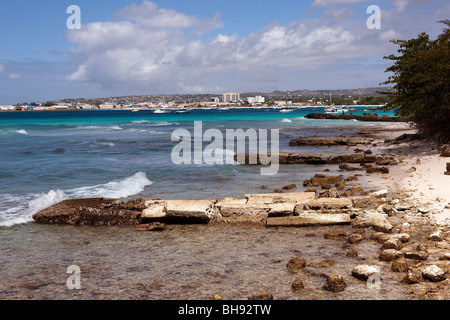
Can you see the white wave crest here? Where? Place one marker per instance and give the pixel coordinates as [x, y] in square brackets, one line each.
[26, 206]
[286, 120]
[22, 131]
[124, 188]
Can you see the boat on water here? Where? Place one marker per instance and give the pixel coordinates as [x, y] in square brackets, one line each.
[286, 110]
[182, 111]
[161, 111]
[222, 109]
[135, 110]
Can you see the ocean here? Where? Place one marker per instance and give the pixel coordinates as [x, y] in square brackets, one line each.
[46, 157]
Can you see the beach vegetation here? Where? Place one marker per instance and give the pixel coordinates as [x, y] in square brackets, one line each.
[420, 83]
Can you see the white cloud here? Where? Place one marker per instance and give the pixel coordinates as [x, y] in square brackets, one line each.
[389, 35]
[327, 3]
[140, 54]
[15, 76]
[338, 14]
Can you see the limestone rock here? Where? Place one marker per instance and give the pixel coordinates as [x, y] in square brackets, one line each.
[364, 272]
[355, 238]
[445, 150]
[323, 264]
[412, 277]
[416, 255]
[435, 236]
[434, 273]
[309, 219]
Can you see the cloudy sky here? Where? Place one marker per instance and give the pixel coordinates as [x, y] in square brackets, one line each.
[127, 47]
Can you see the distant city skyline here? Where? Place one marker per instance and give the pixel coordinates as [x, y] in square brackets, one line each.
[127, 47]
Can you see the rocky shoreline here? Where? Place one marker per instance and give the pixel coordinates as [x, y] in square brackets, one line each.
[409, 238]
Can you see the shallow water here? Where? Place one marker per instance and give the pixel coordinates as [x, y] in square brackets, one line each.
[182, 262]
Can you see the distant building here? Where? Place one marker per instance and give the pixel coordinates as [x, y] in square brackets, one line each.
[106, 107]
[231, 96]
[257, 99]
[214, 99]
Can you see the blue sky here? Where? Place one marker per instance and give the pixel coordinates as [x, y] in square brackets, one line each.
[199, 46]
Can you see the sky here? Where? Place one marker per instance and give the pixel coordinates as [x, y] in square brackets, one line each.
[137, 47]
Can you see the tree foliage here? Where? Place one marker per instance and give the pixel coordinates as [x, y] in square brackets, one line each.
[421, 79]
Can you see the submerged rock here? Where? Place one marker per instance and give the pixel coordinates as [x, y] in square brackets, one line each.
[364, 272]
[335, 283]
[296, 263]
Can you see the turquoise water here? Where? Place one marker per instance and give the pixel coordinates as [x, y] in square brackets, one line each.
[46, 157]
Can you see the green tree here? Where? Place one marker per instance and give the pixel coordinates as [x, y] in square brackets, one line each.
[421, 79]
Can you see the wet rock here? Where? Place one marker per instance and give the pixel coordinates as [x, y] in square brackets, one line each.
[352, 191]
[329, 141]
[364, 272]
[290, 187]
[416, 255]
[278, 190]
[383, 170]
[389, 210]
[262, 296]
[296, 264]
[371, 218]
[89, 212]
[351, 253]
[355, 238]
[335, 236]
[390, 255]
[323, 264]
[335, 283]
[320, 180]
[421, 247]
[434, 273]
[297, 285]
[155, 226]
[380, 193]
[364, 202]
[399, 265]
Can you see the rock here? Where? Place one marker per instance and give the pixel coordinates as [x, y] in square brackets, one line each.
[191, 211]
[335, 283]
[155, 226]
[216, 297]
[380, 193]
[399, 265]
[364, 272]
[416, 255]
[445, 256]
[331, 193]
[323, 264]
[352, 253]
[296, 264]
[290, 187]
[297, 285]
[352, 191]
[421, 247]
[411, 170]
[364, 202]
[321, 180]
[263, 296]
[371, 218]
[278, 190]
[383, 170]
[390, 255]
[340, 185]
[355, 238]
[434, 273]
[435, 236]
[335, 236]
[239, 221]
[352, 178]
[154, 210]
[270, 198]
[329, 141]
[445, 150]
[326, 204]
[282, 209]
[311, 219]
[389, 210]
[90, 212]
[392, 243]
[412, 277]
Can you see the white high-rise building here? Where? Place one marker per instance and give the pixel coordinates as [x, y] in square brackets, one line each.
[257, 99]
[231, 96]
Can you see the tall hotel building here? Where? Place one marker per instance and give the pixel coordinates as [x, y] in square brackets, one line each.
[227, 97]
